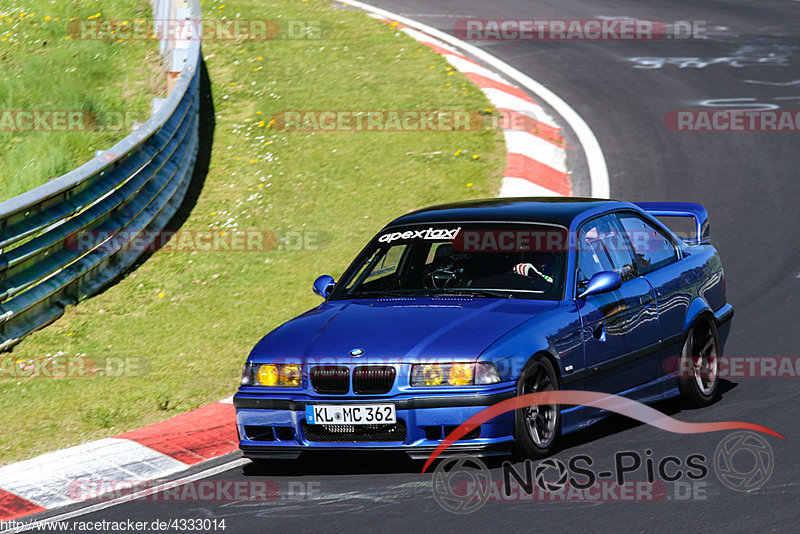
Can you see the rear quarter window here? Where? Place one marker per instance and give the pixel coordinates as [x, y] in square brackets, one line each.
[652, 248]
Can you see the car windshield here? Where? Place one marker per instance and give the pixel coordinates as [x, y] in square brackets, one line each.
[520, 260]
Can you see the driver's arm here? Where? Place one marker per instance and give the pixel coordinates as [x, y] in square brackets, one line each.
[529, 269]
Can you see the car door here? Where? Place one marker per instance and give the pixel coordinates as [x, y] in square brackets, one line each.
[658, 262]
[620, 327]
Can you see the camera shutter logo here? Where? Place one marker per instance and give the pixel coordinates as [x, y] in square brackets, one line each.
[734, 450]
[463, 471]
[551, 485]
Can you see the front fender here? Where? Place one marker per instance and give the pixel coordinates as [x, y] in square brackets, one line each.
[556, 332]
[695, 309]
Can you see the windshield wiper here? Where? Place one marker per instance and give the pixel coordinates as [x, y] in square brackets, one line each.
[380, 295]
[497, 293]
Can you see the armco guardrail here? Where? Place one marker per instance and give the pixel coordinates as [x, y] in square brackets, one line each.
[135, 186]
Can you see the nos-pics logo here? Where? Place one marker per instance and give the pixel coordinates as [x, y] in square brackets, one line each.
[461, 484]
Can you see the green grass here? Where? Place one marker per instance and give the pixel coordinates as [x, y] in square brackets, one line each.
[195, 316]
[45, 68]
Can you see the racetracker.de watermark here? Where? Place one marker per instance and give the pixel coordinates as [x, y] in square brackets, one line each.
[407, 120]
[60, 365]
[262, 490]
[44, 120]
[66, 120]
[197, 241]
[198, 29]
[551, 240]
[600, 29]
[738, 367]
[733, 121]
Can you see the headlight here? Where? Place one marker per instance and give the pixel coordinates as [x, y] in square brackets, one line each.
[461, 374]
[454, 374]
[289, 375]
[286, 375]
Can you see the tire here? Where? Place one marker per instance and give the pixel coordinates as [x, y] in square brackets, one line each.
[537, 428]
[698, 369]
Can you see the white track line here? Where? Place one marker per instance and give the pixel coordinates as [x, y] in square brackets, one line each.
[598, 171]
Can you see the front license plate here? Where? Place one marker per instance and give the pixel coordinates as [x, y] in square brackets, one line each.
[353, 414]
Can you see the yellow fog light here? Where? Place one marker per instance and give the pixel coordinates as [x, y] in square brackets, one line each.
[432, 375]
[267, 375]
[290, 375]
[461, 374]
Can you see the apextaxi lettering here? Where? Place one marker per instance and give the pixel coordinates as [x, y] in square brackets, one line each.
[427, 233]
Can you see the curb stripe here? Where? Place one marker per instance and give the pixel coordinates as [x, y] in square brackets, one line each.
[150, 490]
[487, 83]
[501, 99]
[13, 506]
[598, 170]
[535, 155]
[151, 452]
[521, 166]
[193, 437]
[46, 479]
[536, 148]
[540, 129]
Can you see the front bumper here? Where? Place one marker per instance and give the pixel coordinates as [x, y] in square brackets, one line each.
[272, 426]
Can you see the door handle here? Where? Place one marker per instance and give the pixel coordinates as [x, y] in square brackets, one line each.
[599, 333]
[646, 299]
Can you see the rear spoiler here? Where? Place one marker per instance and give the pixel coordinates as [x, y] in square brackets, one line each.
[682, 209]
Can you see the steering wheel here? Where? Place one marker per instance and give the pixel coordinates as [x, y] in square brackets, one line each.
[442, 277]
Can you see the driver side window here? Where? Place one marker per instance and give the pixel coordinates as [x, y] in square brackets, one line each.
[602, 247]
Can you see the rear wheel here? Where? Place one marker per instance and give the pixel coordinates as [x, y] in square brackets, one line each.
[536, 428]
[698, 377]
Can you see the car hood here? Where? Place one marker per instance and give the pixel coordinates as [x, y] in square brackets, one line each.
[396, 330]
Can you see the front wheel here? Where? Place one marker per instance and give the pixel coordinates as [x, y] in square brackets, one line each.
[536, 428]
[698, 376]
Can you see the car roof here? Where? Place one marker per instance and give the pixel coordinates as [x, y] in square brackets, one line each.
[552, 210]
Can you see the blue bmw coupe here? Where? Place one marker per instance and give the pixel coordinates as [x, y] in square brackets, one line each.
[456, 307]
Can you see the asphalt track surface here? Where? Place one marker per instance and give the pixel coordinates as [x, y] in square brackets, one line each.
[748, 182]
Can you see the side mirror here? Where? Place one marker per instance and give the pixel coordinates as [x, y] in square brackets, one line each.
[602, 282]
[324, 285]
